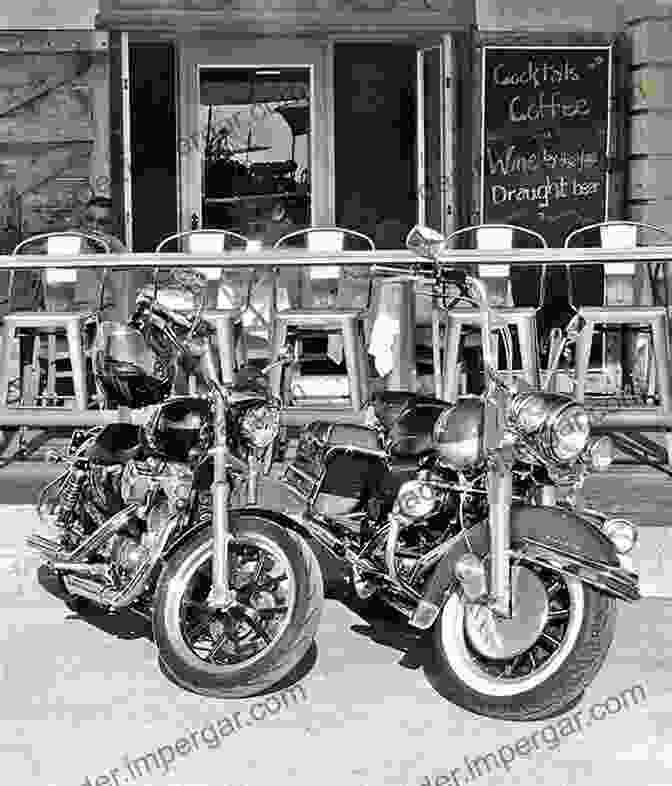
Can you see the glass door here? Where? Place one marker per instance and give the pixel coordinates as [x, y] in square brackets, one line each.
[254, 128]
[255, 133]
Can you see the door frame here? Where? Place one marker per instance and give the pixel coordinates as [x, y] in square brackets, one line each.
[448, 137]
[193, 52]
[193, 56]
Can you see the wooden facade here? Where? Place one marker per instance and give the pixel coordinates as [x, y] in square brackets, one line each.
[66, 107]
[54, 129]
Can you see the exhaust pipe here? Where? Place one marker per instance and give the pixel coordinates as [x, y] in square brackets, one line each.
[50, 549]
[85, 569]
[89, 589]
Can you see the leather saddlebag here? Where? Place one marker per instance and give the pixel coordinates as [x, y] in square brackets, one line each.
[347, 472]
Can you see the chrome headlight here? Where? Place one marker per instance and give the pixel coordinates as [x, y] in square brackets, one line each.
[556, 426]
[568, 433]
[416, 499]
[260, 425]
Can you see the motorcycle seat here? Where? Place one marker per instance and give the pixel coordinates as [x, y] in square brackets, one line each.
[408, 419]
[116, 444]
[390, 404]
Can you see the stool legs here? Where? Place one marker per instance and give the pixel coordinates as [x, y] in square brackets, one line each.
[353, 363]
[77, 363]
[279, 340]
[5, 358]
[363, 358]
[449, 382]
[241, 345]
[351, 328]
[446, 379]
[436, 351]
[583, 346]
[529, 351]
[661, 353]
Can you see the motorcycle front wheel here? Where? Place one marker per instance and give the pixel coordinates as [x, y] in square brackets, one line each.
[246, 649]
[532, 667]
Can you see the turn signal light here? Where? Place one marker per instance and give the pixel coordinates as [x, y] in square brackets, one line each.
[600, 453]
[622, 533]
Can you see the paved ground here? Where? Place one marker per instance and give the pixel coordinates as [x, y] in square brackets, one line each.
[78, 696]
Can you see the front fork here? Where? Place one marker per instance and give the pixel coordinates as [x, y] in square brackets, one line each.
[221, 596]
[500, 492]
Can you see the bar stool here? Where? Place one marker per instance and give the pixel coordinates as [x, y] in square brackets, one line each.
[331, 315]
[225, 317]
[446, 341]
[617, 306]
[51, 322]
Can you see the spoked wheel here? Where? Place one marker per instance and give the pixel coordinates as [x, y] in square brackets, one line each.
[242, 650]
[532, 666]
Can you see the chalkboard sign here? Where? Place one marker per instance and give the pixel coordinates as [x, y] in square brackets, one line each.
[546, 132]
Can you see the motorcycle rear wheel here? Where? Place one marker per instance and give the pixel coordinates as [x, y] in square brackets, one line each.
[538, 678]
[283, 608]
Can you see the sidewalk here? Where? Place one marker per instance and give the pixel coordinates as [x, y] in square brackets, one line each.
[367, 698]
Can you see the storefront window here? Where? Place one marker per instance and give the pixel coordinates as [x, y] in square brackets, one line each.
[255, 125]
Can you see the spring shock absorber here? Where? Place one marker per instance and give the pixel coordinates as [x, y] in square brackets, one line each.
[204, 510]
[69, 496]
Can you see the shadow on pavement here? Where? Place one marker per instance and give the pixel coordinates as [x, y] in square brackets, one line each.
[121, 624]
[127, 625]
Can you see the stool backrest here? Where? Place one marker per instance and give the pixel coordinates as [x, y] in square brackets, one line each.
[68, 243]
[500, 237]
[332, 238]
[205, 241]
[614, 234]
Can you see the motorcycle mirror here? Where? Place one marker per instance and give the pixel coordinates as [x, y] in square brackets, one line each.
[425, 242]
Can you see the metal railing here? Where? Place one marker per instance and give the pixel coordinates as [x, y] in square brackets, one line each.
[278, 258]
[299, 257]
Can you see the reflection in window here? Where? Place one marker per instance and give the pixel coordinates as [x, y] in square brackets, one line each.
[255, 127]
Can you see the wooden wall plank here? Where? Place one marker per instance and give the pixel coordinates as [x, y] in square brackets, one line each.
[54, 129]
[46, 74]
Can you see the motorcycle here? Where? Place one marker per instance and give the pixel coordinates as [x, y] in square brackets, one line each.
[144, 518]
[463, 516]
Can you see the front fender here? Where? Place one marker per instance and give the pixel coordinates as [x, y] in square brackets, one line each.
[553, 537]
[281, 519]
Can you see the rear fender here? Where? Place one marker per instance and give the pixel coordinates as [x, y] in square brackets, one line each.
[548, 536]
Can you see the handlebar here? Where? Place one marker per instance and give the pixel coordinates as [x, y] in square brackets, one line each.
[431, 246]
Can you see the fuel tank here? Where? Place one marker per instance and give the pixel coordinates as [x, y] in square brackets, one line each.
[458, 434]
[175, 427]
